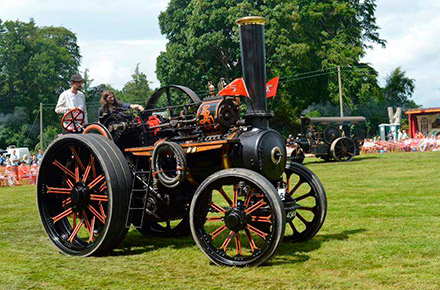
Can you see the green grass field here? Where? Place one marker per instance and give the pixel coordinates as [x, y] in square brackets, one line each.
[381, 232]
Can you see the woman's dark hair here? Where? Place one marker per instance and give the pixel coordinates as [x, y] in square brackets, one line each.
[104, 104]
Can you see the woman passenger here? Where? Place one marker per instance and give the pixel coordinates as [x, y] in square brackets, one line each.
[110, 104]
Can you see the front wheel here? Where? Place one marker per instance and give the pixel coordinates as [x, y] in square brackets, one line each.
[237, 218]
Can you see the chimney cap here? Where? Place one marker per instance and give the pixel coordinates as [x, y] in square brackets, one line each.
[251, 20]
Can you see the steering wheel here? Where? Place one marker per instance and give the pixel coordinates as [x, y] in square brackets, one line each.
[73, 120]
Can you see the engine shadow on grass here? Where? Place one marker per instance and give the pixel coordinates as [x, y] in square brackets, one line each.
[291, 253]
[135, 244]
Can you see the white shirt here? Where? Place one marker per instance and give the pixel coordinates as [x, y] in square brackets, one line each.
[68, 100]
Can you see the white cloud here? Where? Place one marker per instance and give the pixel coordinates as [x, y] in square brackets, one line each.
[410, 28]
[113, 62]
[113, 35]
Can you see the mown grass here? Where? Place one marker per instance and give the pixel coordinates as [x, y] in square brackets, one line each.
[382, 232]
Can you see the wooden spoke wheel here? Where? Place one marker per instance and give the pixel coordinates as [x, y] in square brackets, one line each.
[73, 120]
[306, 192]
[237, 218]
[343, 149]
[82, 193]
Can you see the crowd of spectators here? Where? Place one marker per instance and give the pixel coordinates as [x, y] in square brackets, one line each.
[14, 171]
[403, 143]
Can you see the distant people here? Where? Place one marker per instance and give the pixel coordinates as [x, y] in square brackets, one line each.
[110, 104]
[72, 98]
[39, 156]
[2, 160]
[34, 160]
[390, 136]
[399, 135]
[11, 176]
[24, 172]
[14, 161]
[419, 135]
[404, 135]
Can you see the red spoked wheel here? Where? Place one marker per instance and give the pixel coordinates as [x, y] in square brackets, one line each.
[306, 195]
[82, 193]
[237, 218]
[73, 120]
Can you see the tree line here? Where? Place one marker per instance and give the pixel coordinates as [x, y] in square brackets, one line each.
[305, 42]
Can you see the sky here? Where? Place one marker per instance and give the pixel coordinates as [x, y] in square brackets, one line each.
[115, 36]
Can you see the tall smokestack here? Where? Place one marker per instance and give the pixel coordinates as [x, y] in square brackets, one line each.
[253, 59]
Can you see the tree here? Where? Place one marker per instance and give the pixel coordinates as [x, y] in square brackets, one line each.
[399, 89]
[301, 36]
[137, 90]
[35, 66]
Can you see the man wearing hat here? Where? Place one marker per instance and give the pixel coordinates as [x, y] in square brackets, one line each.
[72, 98]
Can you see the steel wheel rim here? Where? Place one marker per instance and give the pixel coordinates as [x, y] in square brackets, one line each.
[344, 149]
[73, 197]
[301, 191]
[251, 238]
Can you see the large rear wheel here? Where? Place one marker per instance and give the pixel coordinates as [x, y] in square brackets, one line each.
[237, 218]
[82, 193]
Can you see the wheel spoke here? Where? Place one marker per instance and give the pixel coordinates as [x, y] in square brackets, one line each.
[69, 182]
[67, 201]
[251, 240]
[93, 167]
[255, 206]
[87, 171]
[96, 181]
[295, 231]
[262, 219]
[63, 168]
[215, 218]
[98, 197]
[75, 231]
[310, 193]
[78, 160]
[101, 209]
[103, 186]
[295, 188]
[62, 215]
[227, 241]
[258, 232]
[92, 230]
[235, 200]
[218, 231]
[58, 190]
[312, 209]
[77, 173]
[225, 196]
[217, 207]
[88, 226]
[96, 213]
[301, 218]
[248, 197]
[238, 243]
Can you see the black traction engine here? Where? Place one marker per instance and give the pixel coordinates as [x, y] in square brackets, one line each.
[192, 166]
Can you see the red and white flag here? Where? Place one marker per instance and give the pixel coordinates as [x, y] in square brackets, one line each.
[272, 87]
[236, 88]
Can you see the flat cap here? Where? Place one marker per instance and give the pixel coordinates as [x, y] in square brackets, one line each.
[76, 78]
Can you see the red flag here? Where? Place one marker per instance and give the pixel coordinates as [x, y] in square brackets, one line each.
[272, 87]
[236, 88]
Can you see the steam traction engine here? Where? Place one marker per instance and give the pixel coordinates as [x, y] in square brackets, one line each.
[195, 165]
